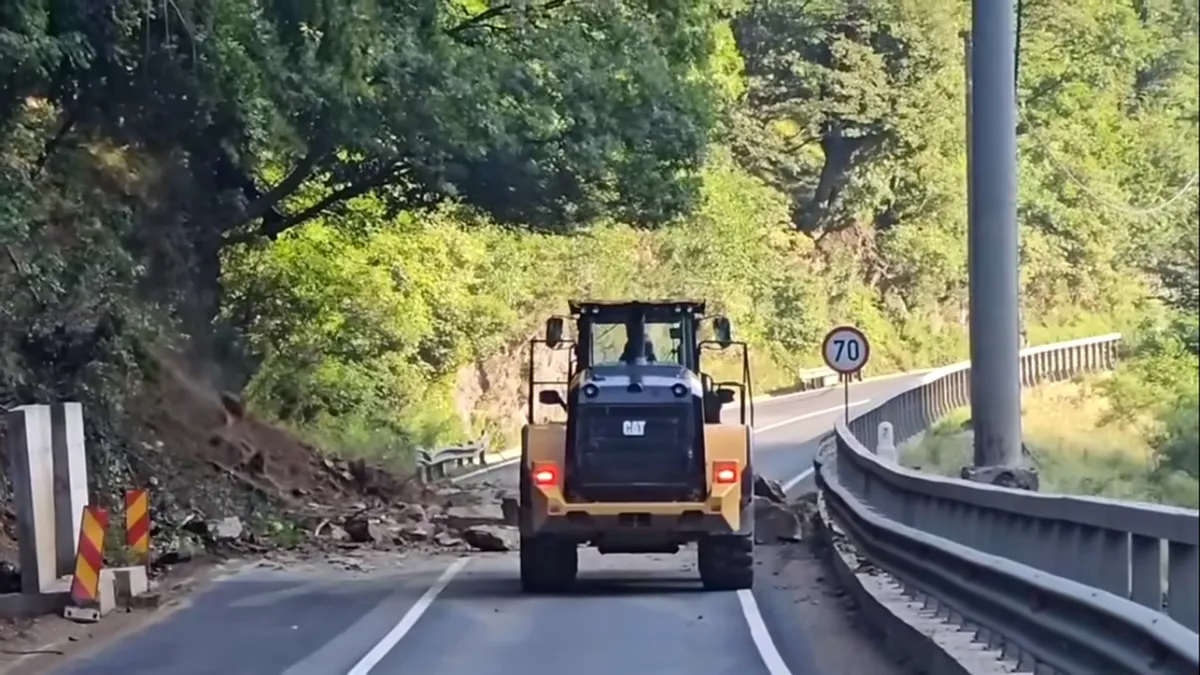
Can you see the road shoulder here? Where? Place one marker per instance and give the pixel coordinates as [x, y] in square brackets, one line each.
[35, 646]
[799, 596]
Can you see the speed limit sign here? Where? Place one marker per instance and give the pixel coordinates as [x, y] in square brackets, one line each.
[846, 350]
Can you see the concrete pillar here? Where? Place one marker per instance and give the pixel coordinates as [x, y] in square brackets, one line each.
[30, 460]
[70, 482]
[885, 444]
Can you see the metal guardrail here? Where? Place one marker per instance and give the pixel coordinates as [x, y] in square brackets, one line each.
[435, 464]
[820, 378]
[1067, 582]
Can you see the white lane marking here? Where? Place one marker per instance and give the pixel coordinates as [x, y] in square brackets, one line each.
[380, 650]
[762, 637]
[796, 480]
[805, 416]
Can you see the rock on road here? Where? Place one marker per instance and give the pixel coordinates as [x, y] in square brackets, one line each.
[466, 616]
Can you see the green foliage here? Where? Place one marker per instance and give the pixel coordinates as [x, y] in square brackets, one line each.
[547, 116]
[1159, 369]
[1178, 441]
[1157, 388]
[72, 324]
[374, 331]
[840, 100]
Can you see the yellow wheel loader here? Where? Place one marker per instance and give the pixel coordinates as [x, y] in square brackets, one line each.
[643, 462]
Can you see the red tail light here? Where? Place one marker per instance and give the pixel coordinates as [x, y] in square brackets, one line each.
[545, 475]
[725, 473]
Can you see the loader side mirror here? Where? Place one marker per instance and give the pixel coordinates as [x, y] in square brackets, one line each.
[723, 330]
[554, 332]
[551, 397]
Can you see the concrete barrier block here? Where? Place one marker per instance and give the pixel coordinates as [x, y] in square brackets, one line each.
[130, 582]
[106, 596]
[106, 601]
[70, 482]
[28, 446]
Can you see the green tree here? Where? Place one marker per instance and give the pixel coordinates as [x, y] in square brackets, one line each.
[838, 93]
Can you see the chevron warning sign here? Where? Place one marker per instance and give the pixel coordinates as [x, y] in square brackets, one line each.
[89, 558]
[137, 523]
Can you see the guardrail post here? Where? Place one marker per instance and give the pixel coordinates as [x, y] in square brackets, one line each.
[1113, 568]
[423, 467]
[1183, 570]
[1145, 573]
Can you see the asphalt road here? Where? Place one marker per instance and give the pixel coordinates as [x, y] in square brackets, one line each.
[466, 616]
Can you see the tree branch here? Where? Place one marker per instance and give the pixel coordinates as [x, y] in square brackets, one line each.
[271, 230]
[266, 202]
[480, 19]
[473, 21]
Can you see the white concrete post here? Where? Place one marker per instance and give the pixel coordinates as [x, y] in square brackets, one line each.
[70, 482]
[30, 460]
[885, 446]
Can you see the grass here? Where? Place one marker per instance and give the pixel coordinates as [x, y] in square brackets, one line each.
[1075, 452]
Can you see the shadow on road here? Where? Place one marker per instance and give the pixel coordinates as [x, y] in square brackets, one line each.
[500, 585]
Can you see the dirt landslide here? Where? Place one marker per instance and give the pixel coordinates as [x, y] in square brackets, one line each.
[224, 484]
[233, 482]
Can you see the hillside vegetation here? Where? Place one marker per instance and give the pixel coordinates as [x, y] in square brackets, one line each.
[355, 213]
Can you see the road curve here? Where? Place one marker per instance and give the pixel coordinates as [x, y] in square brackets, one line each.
[465, 616]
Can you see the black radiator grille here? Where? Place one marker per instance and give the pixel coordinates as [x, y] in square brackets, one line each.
[636, 444]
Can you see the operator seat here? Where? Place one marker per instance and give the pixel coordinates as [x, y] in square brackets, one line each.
[627, 353]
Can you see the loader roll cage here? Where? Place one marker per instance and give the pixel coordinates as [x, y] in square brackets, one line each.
[684, 319]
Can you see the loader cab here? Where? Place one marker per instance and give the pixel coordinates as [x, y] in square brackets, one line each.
[636, 334]
[645, 334]
[637, 400]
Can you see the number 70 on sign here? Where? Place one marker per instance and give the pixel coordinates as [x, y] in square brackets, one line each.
[846, 349]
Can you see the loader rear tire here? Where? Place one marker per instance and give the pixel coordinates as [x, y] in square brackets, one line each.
[726, 562]
[548, 564]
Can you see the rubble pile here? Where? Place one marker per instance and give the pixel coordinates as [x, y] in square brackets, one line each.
[775, 520]
[445, 517]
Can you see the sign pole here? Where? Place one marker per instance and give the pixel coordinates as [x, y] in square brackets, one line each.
[846, 397]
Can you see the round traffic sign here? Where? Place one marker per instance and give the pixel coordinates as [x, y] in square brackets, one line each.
[846, 349]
